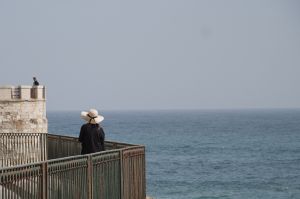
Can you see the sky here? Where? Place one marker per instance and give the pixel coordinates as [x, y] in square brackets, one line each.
[158, 54]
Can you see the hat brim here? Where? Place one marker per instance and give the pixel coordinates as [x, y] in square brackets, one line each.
[98, 119]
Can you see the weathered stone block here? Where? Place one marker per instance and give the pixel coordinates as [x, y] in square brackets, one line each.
[5, 92]
[25, 92]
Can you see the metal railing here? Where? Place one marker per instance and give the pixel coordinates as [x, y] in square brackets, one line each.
[22, 148]
[117, 173]
[64, 146]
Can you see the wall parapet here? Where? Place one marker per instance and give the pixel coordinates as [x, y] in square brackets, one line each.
[22, 92]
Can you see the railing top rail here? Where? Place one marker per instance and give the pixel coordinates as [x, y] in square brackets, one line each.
[21, 166]
[16, 134]
[82, 156]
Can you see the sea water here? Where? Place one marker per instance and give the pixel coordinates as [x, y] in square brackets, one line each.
[217, 154]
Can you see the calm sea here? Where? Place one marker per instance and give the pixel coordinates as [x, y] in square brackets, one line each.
[232, 154]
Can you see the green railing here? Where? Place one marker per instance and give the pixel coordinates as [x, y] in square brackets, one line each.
[117, 173]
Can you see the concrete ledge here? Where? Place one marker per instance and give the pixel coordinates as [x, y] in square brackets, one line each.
[22, 92]
[6, 86]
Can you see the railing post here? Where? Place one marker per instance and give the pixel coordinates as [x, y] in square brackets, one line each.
[121, 175]
[144, 170]
[59, 148]
[44, 180]
[90, 177]
[44, 147]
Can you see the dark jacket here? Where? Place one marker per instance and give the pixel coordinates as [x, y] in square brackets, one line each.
[92, 138]
[36, 83]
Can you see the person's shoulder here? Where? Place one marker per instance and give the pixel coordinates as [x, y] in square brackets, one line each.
[84, 125]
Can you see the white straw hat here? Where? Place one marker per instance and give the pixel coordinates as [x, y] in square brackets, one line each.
[92, 116]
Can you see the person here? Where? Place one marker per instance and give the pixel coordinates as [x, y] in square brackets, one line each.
[91, 134]
[35, 82]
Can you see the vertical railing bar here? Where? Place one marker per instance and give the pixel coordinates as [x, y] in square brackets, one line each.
[90, 177]
[31, 146]
[76, 179]
[8, 146]
[46, 146]
[60, 143]
[41, 140]
[44, 168]
[121, 175]
[144, 173]
[30, 182]
[51, 178]
[36, 146]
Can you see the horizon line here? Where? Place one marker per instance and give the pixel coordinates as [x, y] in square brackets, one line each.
[182, 109]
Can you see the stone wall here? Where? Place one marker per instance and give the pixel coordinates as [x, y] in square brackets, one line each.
[22, 110]
[23, 116]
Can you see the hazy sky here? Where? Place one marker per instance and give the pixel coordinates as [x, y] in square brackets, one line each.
[158, 54]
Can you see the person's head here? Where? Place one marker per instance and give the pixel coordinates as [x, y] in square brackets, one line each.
[92, 116]
[34, 78]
